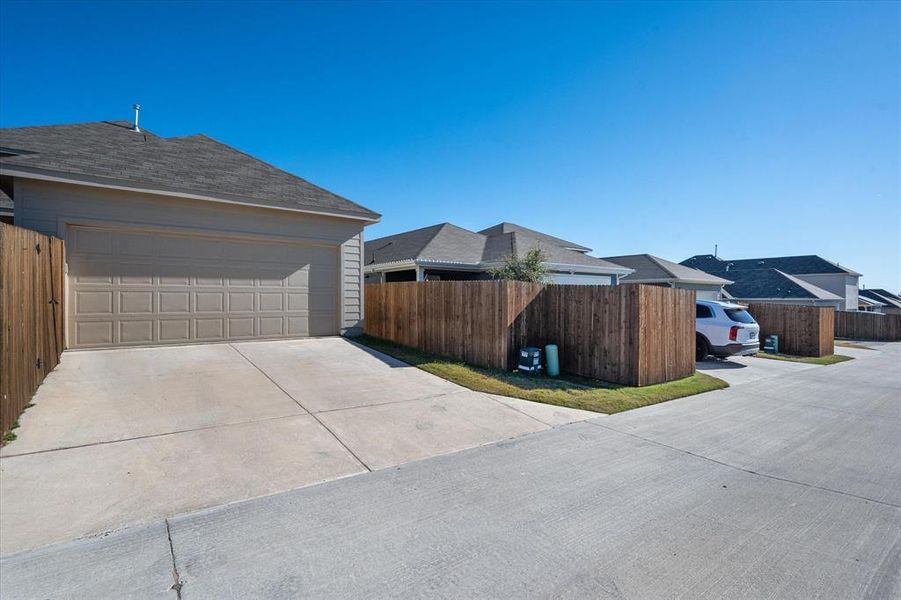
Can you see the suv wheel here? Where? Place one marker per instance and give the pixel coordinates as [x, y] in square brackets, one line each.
[702, 348]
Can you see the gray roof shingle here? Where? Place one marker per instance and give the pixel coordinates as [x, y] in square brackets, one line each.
[197, 164]
[758, 278]
[881, 296]
[519, 229]
[653, 268]
[448, 243]
[793, 265]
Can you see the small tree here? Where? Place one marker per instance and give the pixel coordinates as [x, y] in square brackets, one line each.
[529, 268]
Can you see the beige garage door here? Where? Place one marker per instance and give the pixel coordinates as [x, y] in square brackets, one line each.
[139, 288]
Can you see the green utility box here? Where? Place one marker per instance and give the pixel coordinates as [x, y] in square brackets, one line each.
[771, 344]
[530, 360]
[553, 361]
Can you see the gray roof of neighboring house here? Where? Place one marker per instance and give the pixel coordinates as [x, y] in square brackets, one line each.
[448, 243]
[793, 265]
[519, 229]
[772, 283]
[111, 152]
[650, 268]
[865, 301]
[882, 296]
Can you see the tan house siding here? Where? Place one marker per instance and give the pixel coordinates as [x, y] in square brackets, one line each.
[49, 207]
[840, 284]
[352, 261]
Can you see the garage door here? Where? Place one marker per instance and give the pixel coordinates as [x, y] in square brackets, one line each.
[140, 288]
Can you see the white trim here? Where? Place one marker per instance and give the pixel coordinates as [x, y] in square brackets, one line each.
[27, 174]
[485, 266]
[395, 266]
[675, 280]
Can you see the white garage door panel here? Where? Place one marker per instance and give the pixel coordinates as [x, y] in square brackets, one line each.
[138, 288]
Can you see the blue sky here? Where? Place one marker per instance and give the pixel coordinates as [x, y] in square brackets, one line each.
[666, 128]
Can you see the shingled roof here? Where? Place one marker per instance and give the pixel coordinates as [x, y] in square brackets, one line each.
[882, 296]
[793, 265]
[448, 243]
[519, 229]
[758, 278]
[112, 153]
[772, 283]
[651, 269]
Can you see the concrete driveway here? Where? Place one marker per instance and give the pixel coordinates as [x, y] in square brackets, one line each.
[785, 487]
[119, 437]
[738, 370]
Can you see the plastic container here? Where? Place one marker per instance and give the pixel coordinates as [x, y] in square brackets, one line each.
[552, 360]
[530, 360]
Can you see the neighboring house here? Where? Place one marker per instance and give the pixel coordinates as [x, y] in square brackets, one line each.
[888, 302]
[653, 270]
[184, 239]
[6, 207]
[445, 251]
[785, 278]
[864, 304]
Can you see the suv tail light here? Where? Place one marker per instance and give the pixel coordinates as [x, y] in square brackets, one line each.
[733, 333]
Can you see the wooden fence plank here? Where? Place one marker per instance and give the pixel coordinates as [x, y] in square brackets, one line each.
[633, 335]
[31, 315]
[868, 326]
[802, 330]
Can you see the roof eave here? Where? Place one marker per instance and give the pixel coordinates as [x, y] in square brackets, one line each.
[679, 280]
[122, 184]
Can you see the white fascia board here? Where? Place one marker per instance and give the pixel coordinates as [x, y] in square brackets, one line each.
[399, 265]
[426, 264]
[589, 269]
[43, 175]
[676, 280]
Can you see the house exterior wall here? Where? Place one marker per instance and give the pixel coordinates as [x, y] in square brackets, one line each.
[703, 292]
[581, 279]
[429, 273]
[49, 207]
[840, 284]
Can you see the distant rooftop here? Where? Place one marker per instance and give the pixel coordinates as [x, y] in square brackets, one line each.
[649, 268]
[884, 297]
[808, 264]
[448, 243]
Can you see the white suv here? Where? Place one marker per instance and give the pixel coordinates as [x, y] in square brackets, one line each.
[724, 329]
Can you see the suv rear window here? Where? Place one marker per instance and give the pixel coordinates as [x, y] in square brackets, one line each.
[739, 315]
[702, 311]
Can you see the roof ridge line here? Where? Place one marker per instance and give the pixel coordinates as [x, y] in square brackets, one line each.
[666, 269]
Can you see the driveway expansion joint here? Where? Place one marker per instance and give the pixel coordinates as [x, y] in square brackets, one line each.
[154, 435]
[177, 585]
[311, 413]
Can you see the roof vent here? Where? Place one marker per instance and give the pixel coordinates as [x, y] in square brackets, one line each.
[137, 108]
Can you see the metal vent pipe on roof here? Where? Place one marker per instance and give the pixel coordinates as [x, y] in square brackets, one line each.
[137, 108]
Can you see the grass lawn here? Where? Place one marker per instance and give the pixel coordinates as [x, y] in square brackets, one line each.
[811, 360]
[566, 390]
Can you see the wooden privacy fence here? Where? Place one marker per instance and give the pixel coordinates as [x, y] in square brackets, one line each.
[632, 335]
[802, 330]
[31, 315]
[868, 326]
